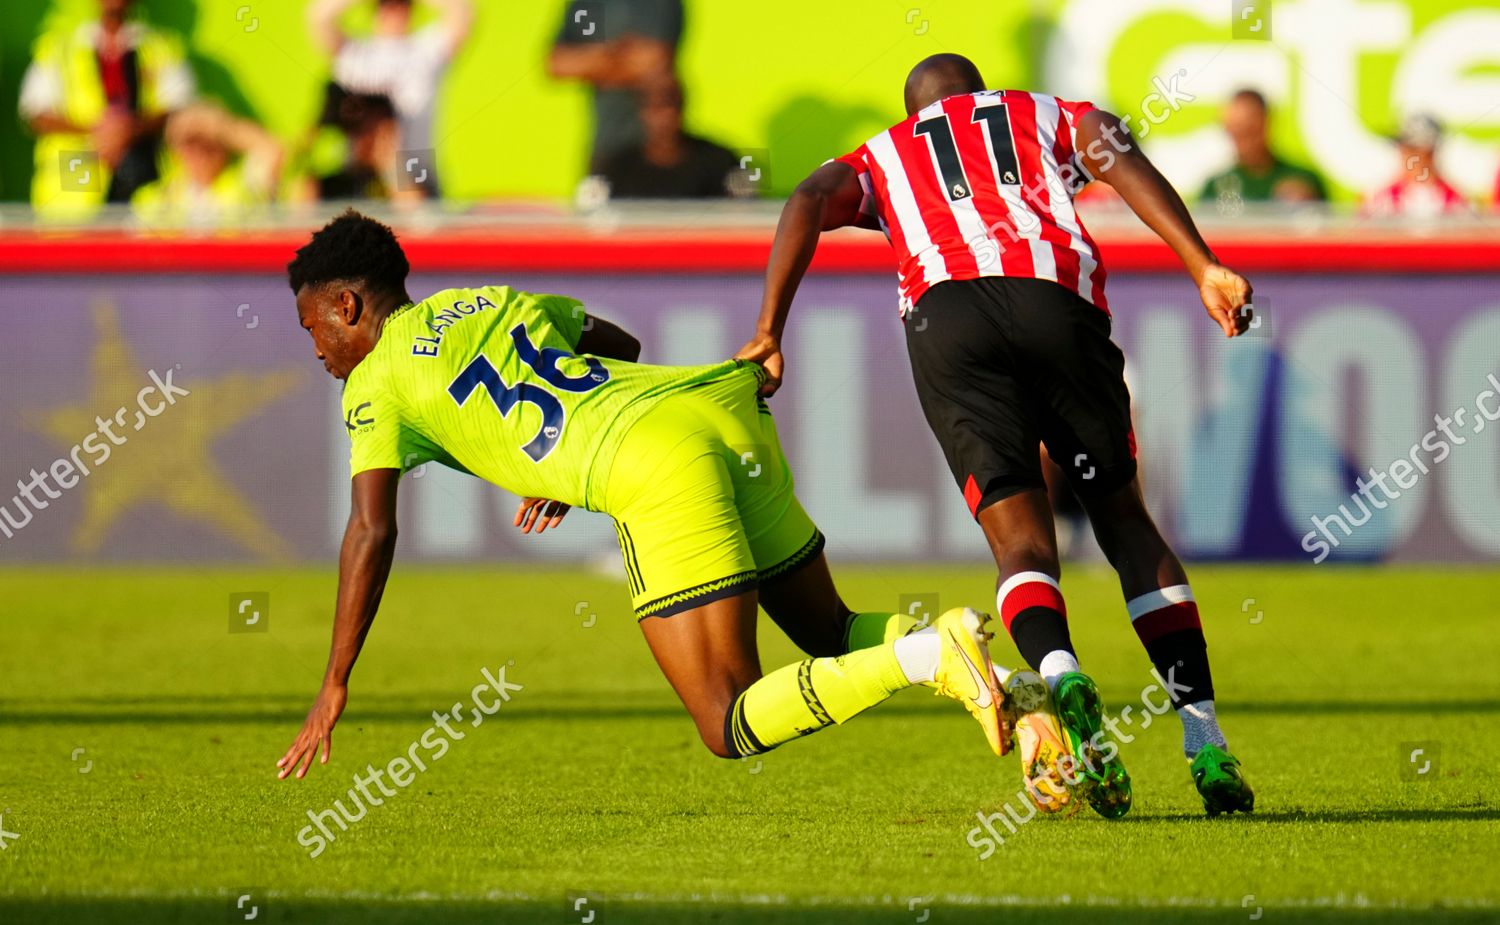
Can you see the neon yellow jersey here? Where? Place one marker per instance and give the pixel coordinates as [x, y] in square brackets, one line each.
[486, 381]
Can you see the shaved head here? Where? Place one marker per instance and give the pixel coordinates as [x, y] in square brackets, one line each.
[940, 76]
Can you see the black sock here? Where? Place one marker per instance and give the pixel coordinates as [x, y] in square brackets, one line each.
[1168, 626]
[1032, 608]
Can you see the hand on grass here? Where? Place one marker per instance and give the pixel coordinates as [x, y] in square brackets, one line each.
[318, 729]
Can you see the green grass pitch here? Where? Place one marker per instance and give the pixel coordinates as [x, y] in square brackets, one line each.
[138, 739]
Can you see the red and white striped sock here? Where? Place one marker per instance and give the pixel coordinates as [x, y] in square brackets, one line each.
[1167, 622]
[1160, 613]
[1032, 608]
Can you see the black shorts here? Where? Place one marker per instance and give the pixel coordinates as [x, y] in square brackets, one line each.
[1003, 364]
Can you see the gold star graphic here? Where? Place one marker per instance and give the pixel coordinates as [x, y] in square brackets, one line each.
[167, 458]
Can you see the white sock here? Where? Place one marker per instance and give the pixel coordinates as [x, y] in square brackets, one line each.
[918, 654]
[1055, 664]
[1200, 727]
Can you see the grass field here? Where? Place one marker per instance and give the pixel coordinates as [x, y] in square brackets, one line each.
[138, 739]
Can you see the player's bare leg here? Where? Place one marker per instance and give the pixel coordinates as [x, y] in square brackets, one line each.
[708, 655]
[1024, 544]
[806, 605]
[1020, 532]
[1132, 543]
[1165, 617]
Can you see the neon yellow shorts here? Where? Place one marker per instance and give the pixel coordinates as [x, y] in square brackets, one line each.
[702, 499]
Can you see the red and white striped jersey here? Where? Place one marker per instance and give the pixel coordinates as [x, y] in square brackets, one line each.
[982, 184]
[1407, 198]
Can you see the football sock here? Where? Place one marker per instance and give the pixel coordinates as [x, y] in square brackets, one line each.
[1167, 623]
[918, 647]
[1032, 608]
[810, 695]
[1200, 727]
[918, 654]
[864, 630]
[1055, 664]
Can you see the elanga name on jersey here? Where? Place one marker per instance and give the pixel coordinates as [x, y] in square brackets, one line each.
[982, 184]
[440, 322]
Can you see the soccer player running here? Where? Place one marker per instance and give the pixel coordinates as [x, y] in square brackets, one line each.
[1007, 328]
[529, 393]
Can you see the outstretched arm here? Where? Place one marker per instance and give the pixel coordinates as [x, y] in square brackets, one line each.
[323, 24]
[455, 18]
[829, 198]
[364, 563]
[1111, 155]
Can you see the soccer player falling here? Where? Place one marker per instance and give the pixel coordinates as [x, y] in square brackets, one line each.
[1007, 327]
[528, 392]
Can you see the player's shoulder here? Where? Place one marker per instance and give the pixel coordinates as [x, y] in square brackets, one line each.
[1041, 99]
[1073, 108]
[862, 155]
[446, 306]
[964, 102]
[958, 100]
[446, 299]
[532, 308]
[449, 305]
[499, 296]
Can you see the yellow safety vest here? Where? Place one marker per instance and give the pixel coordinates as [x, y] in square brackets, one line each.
[67, 181]
[170, 203]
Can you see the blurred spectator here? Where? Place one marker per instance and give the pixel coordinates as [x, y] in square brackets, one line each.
[668, 163]
[1258, 175]
[218, 168]
[96, 96]
[396, 62]
[370, 170]
[1419, 191]
[617, 46]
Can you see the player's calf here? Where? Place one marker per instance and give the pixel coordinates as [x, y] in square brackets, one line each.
[807, 696]
[1029, 598]
[1162, 610]
[1167, 623]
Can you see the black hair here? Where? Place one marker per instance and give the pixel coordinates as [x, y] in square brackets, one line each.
[361, 112]
[352, 247]
[939, 76]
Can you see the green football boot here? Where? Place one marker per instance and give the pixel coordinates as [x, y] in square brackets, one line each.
[1103, 780]
[1220, 782]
